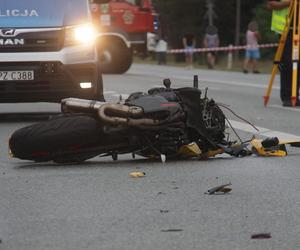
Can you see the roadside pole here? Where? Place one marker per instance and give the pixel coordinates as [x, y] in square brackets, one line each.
[237, 27]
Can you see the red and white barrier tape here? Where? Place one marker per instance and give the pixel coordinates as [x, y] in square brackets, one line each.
[228, 48]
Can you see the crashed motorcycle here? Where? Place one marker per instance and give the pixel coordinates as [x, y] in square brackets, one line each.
[161, 124]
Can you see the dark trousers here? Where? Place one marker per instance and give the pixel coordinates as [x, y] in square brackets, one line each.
[162, 58]
[286, 71]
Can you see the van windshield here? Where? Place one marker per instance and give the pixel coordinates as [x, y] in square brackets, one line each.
[42, 13]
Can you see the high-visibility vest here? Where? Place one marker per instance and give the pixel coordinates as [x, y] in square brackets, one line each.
[279, 18]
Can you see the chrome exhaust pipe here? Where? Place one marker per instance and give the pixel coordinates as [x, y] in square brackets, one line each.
[80, 105]
[118, 114]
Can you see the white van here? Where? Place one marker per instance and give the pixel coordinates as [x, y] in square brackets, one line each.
[47, 51]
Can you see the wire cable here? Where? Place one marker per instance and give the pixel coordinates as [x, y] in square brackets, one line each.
[235, 114]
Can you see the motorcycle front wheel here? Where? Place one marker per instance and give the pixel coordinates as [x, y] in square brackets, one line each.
[63, 139]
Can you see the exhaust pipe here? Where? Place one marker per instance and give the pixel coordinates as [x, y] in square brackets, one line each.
[118, 114]
[80, 105]
[110, 113]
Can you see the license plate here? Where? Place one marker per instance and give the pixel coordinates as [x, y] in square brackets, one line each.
[22, 75]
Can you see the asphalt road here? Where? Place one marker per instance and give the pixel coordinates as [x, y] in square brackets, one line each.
[97, 205]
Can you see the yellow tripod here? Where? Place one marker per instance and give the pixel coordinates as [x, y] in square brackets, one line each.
[293, 14]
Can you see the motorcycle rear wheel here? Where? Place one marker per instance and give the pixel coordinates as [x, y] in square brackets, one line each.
[64, 139]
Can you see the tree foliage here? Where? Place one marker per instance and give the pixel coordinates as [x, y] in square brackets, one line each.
[179, 17]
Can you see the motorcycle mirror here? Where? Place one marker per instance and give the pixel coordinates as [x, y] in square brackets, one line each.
[167, 83]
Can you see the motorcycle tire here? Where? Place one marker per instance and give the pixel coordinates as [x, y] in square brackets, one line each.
[64, 139]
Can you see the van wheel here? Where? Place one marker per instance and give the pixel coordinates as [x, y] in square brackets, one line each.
[114, 57]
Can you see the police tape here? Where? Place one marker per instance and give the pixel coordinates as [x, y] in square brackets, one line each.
[228, 48]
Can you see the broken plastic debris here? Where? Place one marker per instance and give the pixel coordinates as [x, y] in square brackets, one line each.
[164, 211]
[171, 230]
[191, 150]
[137, 174]
[219, 189]
[261, 236]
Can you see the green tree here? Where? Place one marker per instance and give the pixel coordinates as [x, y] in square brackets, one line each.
[179, 17]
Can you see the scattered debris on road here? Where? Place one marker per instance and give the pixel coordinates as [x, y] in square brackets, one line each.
[164, 211]
[223, 189]
[261, 236]
[137, 174]
[171, 230]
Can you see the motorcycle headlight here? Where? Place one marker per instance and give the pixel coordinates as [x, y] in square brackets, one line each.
[81, 34]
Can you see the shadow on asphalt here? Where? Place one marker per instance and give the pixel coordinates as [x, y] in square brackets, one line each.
[26, 117]
[134, 163]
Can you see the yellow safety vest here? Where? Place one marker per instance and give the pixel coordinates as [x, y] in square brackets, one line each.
[279, 20]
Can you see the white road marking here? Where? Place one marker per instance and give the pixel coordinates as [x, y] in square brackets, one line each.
[284, 108]
[263, 131]
[107, 92]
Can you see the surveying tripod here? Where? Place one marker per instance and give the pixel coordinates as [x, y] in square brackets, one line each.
[293, 14]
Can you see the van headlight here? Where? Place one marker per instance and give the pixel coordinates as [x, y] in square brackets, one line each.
[81, 34]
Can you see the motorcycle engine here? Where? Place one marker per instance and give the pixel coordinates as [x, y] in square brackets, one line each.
[187, 118]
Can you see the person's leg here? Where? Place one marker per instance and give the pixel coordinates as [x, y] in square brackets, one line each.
[160, 58]
[209, 60]
[152, 55]
[187, 58]
[286, 72]
[246, 61]
[190, 59]
[213, 60]
[164, 57]
[254, 65]
[298, 84]
[256, 56]
[285, 83]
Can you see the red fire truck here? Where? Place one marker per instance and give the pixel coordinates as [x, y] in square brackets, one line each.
[123, 27]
